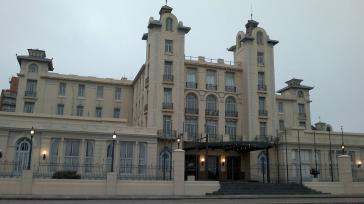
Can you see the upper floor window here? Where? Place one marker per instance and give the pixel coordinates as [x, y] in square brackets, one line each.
[263, 128]
[79, 110]
[230, 107]
[230, 82]
[33, 68]
[81, 90]
[261, 103]
[116, 112]
[169, 24]
[60, 109]
[167, 126]
[300, 94]
[117, 93]
[98, 112]
[191, 78]
[191, 128]
[211, 103]
[191, 103]
[62, 89]
[301, 108]
[168, 46]
[260, 58]
[167, 95]
[211, 82]
[31, 88]
[100, 92]
[259, 38]
[280, 107]
[29, 107]
[230, 129]
[281, 125]
[168, 71]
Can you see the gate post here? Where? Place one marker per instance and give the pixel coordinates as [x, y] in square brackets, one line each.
[178, 172]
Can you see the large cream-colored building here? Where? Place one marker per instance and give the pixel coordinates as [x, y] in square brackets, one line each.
[252, 133]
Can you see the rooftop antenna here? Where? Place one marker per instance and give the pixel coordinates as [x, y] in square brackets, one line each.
[251, 10]
[166, 2]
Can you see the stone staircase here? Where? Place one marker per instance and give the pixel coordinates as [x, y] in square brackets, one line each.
[255, 188]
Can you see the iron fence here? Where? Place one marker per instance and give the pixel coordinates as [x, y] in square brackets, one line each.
[358, 175]
[10, 169]
[145, 172]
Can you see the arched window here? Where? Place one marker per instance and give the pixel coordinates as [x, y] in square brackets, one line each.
[259, 38]
[230, 107]
[33, 68]
[165, 165]
[239, 41]
[169, 24]
[211, 103]
[300, 94]
[191, 103]
[22, 154]
[262, 166]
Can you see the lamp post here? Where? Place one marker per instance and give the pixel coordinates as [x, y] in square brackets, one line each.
[299, 154]
[285, 135]
[342, 141]
[315, 172]
[178, 141]
[330, 155]
[112, 154]
[32, 132]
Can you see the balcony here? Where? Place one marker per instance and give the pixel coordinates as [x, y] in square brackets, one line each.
[211, 112]
[167, 106]
[211, 87]
[263, 113]
[167, 134]
[191, 111]
[9, 101]
[191, 85]
[213, 137]
[302, 116]
[231, 114]
[264, 138]
[167, 78]
[30, 94]
[9, 94]
[262, 87]
[230, 89]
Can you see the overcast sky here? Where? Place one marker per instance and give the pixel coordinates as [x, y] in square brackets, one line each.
[319, 41]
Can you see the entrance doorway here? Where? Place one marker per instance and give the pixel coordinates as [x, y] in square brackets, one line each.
[212, 168]
[233, 168]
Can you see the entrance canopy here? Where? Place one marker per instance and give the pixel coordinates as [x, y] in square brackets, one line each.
[239, 146]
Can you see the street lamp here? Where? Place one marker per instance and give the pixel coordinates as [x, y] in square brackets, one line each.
[32, 132]
[112, 154]
[178, 141]
[328, 128]
[342, 141]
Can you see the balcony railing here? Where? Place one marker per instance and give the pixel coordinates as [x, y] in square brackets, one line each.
[262, 87]
[191, 85]
[263, 113]
[230, 88]
[31, 93]
[167, 134]
[168, 78]
[211, 87]
[302, 115]
[191, 110]
[211, 112]
[167, 105]
[10, 94]
[9, 101]
[264, 138]
[231, 114]
[214, 137]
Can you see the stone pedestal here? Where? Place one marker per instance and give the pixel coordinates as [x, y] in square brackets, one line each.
[26, 182]
[111, 181]
[179, 172]
[345, 173]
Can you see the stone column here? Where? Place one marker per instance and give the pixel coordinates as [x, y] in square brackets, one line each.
[345, 173]
[111, 183]
[26, 182]
[179, 172]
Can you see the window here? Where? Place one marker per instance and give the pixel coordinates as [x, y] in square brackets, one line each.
[211, 103]
[33, 68]
[281, 125]
[263, 129]
[259, 38]
[142, 158]
[53, 154]
[191, 79]
[261, 103]
[117, 93]
[126, 157]
[168, 72]
[79, 111]
[301, 108]
[165, 163]
[260, 58]
[230, 129]
[167, 126]
[168, 46]
[29, 107]
[98, 112]
[100, 92]
[300, 94]
[239, 41]
[211, 83]
[280, 107]
[191, 103]
[230, 82]
[62, 89]
[60, 109]
[191, 128]
[302, 124]
[261, 82]
[81, 90]
[230, 107]
[169, 24]
[116, 112]
[167, 95]
[31, 88]
[71, 154]
[211, 130]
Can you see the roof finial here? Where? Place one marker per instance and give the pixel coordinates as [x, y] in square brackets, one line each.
[251, 11]
[166, 2]
[319, 119]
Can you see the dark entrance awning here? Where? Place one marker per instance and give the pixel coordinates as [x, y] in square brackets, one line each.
[239, 146]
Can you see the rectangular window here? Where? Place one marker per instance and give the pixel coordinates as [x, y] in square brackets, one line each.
[301, 108]
[142, 158]
[98, 112]
[167, 126]
[302, 124]
[117, 93]
[62, 89]
[81, 90]
[280, 107]
[263, 129]
[230, 81]
[167, 95]
[100, 92]
[31, 88]
[261, 103]
[168, 46]
[260, 58]
[116, 112]
[89, 154]
[211, 82]
[261, 80]
[126, 157]
[230, 129]
[191, 78]
[71, 154]
[211, 130]
[281, 125]
[60, 109]
[53, 154]
[79, 111]
[191, 129]
[168, 71]
[29, 107]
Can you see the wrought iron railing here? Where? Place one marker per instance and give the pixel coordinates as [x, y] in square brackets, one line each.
[10, 169]
[191, 110]
[146, 172]
[230, 88]
[263, 113]
[231, 114]
[262, 87]
[168, 77]
[211, 112]
[167, 134]
[191, 85]
[167, 105]
[211, 87]
[30, 93]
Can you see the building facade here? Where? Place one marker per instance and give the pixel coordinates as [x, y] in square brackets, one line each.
[225, 115]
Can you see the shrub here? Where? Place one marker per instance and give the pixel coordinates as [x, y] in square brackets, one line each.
[66, 175]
